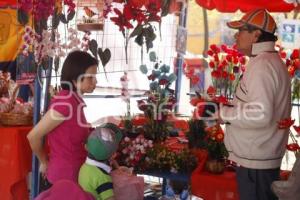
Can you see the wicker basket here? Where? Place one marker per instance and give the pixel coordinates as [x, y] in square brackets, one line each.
[15, 119]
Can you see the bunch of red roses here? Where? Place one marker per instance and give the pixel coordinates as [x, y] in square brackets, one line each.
[226, 65]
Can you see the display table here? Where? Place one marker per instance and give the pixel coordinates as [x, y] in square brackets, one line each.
[214, 186]
[15, 162]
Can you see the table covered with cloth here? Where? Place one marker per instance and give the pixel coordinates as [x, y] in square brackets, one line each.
[15, 162]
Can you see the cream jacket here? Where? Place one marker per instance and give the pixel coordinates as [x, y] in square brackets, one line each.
[263, 97]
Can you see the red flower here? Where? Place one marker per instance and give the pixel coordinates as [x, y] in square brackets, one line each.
[195, 101]
[211, 64]
[211, 90]
[242, 60]
[293, 147]
[235, 60]
[288, 62]
[215, 74]
[243, 68]
[122, 19]
[221, 99]
[153, 6]
[285, 123]
[232, 77]
[151, 77]
[219, 137]
[142, 105]
[210, 53]
[216, 57]
[297, 129]
[195, 79]
[214, 48]
[224, 74]
[163, 81]
[295, 54]
[291, 70]
[229, 58]
[224, 47]
[138, 3]
[282, 54]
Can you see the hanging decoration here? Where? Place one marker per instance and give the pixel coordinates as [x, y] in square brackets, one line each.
[135, 20]
[90, 15]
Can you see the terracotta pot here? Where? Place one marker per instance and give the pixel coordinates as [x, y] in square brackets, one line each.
[215, 166]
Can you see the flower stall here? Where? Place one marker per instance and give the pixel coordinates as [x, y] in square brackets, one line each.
[157, 141]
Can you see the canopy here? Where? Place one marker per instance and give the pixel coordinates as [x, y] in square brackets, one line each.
[6, 3]
[246, 5]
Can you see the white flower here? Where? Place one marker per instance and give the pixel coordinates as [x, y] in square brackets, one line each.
[126, 139]
[125, 151]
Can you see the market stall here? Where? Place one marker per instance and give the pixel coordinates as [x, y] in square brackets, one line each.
[164, 144]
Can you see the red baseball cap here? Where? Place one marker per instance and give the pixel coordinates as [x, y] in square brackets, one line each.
[258, 18]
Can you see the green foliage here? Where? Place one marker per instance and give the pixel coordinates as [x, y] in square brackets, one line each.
[196, 134]
[211, 139]
[160, 158]
[295, 89]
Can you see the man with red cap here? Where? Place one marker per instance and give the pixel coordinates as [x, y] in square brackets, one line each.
[262, 98]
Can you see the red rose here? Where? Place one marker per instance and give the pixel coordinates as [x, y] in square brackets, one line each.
[295, 54]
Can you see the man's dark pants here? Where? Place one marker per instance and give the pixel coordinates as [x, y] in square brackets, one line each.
[255, 184]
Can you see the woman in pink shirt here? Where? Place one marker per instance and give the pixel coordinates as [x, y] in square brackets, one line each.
[64, 124]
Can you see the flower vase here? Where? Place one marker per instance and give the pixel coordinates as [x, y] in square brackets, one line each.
[215, 166]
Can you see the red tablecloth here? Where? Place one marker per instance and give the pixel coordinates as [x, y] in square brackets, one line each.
[214, 187]
[15, 163]
[218, 186]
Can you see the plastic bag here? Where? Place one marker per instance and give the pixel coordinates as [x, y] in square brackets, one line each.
[289, 189]
[127, 186]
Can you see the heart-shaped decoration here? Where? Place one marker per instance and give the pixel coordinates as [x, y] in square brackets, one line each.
[104, 56]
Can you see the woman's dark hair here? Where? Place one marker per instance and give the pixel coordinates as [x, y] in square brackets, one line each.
[265, 36]
[76, 64]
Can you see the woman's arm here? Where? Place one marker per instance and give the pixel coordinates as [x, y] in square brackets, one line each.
[35, 137]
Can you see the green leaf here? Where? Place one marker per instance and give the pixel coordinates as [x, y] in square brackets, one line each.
[93, 46]
[165, 68]
[104, 56]
[139, 40]
[149, 33]
[149, 44]
[154, 85]
[62, 18]
[144, 69]
[172, 77]
[22, 17]
[137, 31]
[165, 7]
[71, 15]
[156, 73]
[152, 56]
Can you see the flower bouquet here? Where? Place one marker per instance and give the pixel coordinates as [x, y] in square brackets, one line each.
[293, 64]
[226, 65]
[160, 100]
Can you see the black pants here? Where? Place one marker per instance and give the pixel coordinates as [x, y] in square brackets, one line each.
[255, 184]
